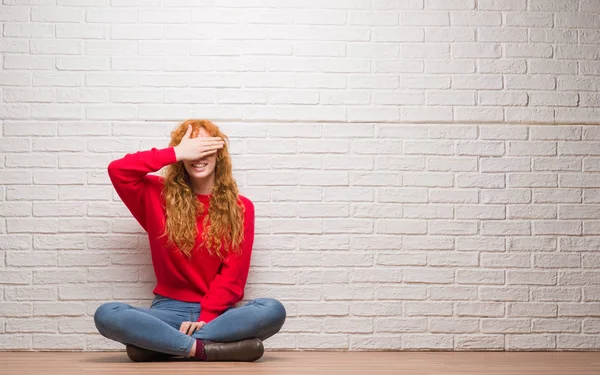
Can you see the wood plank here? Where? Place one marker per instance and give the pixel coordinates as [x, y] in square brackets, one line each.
[312, 363]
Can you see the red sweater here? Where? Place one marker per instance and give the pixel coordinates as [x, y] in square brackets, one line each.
[203, 278]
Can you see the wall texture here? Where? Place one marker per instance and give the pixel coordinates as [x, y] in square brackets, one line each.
[379, 226]
[315, 60]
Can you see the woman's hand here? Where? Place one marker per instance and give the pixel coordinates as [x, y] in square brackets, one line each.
[190, 327]
[197, 148]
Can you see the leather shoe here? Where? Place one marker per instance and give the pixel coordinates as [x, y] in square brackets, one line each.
[137, 354]
[248, 350]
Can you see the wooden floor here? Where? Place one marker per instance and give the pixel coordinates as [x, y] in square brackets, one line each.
[313, 363]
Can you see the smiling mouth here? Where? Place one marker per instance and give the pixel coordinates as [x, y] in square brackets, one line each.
[199, 165]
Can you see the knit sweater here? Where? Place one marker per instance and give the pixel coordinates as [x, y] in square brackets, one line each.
[203, 278]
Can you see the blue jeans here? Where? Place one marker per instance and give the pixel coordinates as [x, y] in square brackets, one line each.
[157, 328]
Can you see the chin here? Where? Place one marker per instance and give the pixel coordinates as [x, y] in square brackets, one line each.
[200, 175]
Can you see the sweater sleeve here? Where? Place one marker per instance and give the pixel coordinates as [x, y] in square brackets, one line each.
[129, 177]
[227, 288]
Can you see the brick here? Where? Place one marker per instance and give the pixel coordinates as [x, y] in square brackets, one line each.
[543, 227]
[428, 147]
[479, 148]
[476, 18]
[529, 342]
[385, 292]
[480, 277]
[375, 211]
[557, 164]
[416, 275]
[491, 34]
[573, 19]
[422, 82]
[401, 325]
[31, 293]
[557, 260]
[440, 113]
[479, 342]
[553, 99]
[428, 308]
[480, 243]
[477, 82]
[480, 309]
[532, 212]
[578, 309]
[453, 325]
[561, 195]
[427, 243]
[508, 164]
[519, 294]
[476, 50]
[532, 148]
[401, 260]
[531, 277]
[424, 18]
[16, 341]
[452, 34]
[502, 5]
[541, 66]
[438, 341]
[480, 212]
[398, 226]
[579, 115]
[532, 180]
[454, 227]
[503, 98]
[532, 309]
[428, 212]
[330, 341]
[508, 260]
[467, 180]
[567, 83]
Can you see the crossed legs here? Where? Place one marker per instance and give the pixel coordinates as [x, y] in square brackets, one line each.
[157, 328]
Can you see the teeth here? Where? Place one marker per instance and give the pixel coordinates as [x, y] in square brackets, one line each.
[198, 165]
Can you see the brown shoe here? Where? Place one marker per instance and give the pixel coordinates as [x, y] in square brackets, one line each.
[137, 354]
[248, 350]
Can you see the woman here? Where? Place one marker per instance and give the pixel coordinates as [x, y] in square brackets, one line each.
[201, 232]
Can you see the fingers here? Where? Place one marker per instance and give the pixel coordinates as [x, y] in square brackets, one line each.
[208, 148]
[184, 327]
[206, 153]
[188, 132]
[209, 141]
[199, 325]
[190, 327]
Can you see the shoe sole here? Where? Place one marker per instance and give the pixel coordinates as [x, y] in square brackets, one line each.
[248, 350]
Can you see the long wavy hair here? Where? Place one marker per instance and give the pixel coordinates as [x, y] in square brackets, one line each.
[224, 224]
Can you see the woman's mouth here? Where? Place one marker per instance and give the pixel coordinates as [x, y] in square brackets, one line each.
[199, 166]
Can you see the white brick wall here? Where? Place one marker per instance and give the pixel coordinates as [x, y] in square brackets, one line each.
[395, 232]
[375, 236]
[335, 60]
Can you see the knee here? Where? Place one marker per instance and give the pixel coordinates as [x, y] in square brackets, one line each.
[276, 310]
[104, 314]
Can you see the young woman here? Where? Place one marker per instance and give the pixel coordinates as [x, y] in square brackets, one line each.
[201, 232]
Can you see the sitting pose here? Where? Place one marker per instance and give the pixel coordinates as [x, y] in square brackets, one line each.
[201, 232]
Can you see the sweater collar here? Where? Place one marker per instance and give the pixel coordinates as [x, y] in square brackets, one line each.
[204, 197]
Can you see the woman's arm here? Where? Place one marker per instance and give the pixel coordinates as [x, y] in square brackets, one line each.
[129, 176]
[227, 288]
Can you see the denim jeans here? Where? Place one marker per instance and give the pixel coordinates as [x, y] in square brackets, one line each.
[157, 328]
